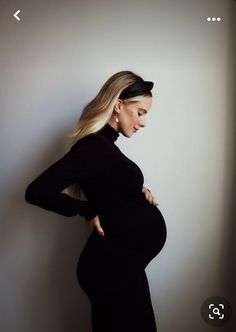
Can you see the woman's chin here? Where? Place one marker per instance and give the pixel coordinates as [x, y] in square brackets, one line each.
[128, 132]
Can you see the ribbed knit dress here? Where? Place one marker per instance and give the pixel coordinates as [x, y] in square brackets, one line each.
[110, 268]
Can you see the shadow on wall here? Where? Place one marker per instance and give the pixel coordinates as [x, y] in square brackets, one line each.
[39, 253]
[228, 259]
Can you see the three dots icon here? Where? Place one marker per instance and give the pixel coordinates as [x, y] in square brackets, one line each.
[213, 19]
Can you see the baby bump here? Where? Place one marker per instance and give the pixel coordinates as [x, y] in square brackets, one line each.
[133, 237]
[135, 224]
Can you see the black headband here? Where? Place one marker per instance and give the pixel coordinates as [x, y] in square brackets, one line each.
[138, 88]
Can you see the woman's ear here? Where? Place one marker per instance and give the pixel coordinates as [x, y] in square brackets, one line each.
[118, 104]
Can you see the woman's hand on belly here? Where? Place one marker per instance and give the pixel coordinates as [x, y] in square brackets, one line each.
[149, 196]
[95, 223]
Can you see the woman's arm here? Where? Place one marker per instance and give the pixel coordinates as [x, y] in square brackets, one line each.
[45, 191]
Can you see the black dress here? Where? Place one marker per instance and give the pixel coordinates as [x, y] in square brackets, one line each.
[111, 268]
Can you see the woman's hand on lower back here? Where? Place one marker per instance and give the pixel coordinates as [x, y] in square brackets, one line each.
[95, 223]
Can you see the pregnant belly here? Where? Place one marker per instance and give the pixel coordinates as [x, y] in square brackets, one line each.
[134, 225]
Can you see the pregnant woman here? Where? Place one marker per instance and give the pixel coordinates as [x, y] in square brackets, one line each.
[128, 230]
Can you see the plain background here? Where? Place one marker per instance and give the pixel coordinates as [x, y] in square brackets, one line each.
[52, 63]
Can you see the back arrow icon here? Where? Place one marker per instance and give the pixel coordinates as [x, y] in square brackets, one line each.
[15, 15]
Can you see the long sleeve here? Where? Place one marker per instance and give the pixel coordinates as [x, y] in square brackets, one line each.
[45, 191]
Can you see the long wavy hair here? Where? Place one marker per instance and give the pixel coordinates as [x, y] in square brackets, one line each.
[99, 110]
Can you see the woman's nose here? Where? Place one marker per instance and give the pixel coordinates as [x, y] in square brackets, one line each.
[142, 123]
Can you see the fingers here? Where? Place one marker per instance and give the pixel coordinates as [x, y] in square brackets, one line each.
[98, 227]
[95, 223]
[150, 198]
[143, 189]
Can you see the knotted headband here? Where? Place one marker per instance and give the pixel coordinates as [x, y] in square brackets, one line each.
[138, 88]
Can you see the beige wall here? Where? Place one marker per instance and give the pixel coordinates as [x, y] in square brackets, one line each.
[52, 63]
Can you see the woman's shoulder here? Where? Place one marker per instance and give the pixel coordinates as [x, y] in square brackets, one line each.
[91, 142]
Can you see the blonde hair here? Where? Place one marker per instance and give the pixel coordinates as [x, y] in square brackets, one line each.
[99, 111]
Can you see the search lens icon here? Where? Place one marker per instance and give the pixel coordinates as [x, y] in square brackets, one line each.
[216, 311]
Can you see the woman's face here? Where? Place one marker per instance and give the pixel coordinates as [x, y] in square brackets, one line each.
[132, 115]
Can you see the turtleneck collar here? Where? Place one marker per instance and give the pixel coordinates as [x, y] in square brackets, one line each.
[109, 132]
